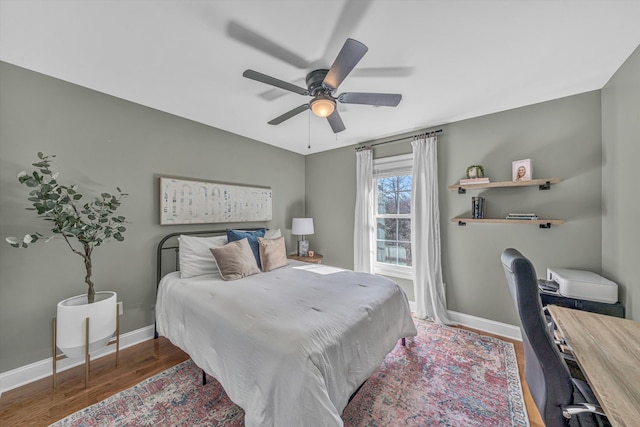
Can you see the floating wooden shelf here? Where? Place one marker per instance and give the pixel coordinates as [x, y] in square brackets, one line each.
[543, 223]
[543, 184]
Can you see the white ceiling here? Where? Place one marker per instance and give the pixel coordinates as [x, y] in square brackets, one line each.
[450, 59]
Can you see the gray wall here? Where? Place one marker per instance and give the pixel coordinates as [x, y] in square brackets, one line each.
[563, 139]
[102, 142]
[621, 205]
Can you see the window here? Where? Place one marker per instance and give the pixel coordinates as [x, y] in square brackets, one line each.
[392, 213]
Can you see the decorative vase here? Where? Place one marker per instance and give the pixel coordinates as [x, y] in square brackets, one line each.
[71, 322]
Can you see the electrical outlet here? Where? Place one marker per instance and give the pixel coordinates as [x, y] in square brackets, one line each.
[120, 308]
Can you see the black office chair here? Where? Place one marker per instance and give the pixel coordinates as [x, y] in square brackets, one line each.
[561, 399]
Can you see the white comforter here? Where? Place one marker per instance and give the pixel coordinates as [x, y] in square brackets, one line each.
[289, 346]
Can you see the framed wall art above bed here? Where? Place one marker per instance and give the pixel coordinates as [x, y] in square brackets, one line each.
[184, 201]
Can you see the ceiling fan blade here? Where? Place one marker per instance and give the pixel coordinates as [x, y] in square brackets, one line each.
[382, 72]
[349, 19]
[244, 35]
[263, 78]
[289, 114]
[377, 99]
[350, 54]
[275, 93]
[336, 121]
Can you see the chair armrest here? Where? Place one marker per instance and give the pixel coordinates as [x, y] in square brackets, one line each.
[578, 408]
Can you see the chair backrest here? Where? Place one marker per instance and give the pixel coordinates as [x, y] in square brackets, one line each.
[546, 372]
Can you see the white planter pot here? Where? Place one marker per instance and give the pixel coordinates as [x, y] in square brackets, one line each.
[71, 326]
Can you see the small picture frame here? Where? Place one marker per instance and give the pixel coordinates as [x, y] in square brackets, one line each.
[521, 170]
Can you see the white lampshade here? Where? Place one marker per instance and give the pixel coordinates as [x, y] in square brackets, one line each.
[302, 226]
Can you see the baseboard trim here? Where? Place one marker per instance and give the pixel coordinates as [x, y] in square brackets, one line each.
[486, 325]
[481, 324]
[43, 368]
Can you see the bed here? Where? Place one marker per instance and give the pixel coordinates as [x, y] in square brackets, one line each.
[289, 346]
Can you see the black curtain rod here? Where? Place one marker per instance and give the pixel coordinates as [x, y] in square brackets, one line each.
[365, 147]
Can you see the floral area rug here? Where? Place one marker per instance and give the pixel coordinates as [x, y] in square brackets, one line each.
[443, 377]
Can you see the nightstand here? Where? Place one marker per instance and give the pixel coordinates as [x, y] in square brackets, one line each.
[315, 259]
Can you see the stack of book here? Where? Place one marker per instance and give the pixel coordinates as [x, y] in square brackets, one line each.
[522, 216]
[478, 205]
[471, 181]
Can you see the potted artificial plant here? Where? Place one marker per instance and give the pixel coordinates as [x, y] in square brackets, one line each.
[83, 226]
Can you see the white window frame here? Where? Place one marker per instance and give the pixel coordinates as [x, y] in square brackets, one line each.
[387, 167]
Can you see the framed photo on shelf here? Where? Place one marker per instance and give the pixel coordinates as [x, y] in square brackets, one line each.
[521, 170]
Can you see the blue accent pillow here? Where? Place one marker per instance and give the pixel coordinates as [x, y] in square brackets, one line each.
[252, 236]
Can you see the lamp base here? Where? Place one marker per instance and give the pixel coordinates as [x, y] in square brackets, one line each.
[303, 247]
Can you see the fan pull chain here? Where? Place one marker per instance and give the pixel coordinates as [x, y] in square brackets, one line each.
[309, 127]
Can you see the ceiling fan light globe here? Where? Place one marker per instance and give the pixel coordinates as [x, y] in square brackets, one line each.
[323, 107]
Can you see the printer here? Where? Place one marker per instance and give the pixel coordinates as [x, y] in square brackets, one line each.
[585, 285]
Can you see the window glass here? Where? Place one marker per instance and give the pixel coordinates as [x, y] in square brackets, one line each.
[393, 220]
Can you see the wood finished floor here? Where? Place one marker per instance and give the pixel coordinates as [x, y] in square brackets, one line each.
[37, 404]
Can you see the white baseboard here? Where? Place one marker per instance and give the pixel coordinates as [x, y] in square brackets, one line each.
[44, 368]
[481, 324]
[486, 325]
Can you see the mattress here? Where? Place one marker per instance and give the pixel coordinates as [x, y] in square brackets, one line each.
[289, 346]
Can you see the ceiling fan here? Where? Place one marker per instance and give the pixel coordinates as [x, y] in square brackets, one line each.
[322, 85]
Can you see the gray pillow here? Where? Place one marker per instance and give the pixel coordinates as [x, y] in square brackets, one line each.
[235, 260]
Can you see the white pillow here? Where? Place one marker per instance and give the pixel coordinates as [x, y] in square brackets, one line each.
[196, 258]
[272, 234]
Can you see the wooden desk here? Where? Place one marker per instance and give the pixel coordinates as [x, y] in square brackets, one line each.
[607, 350]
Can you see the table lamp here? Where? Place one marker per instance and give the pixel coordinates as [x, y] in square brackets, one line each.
[302, 227]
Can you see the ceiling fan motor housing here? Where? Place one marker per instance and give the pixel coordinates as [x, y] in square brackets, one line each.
[314, 82]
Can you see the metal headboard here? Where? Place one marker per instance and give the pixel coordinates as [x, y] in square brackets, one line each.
[175, 247]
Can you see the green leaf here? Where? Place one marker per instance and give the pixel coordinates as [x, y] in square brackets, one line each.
[121, 229]
[40, 155]
[77, 196]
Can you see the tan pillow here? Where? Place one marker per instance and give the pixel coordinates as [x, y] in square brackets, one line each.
[235, 260]
[273, 253]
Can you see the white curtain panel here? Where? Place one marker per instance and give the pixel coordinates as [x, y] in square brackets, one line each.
[428, 286]
[364, 225]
